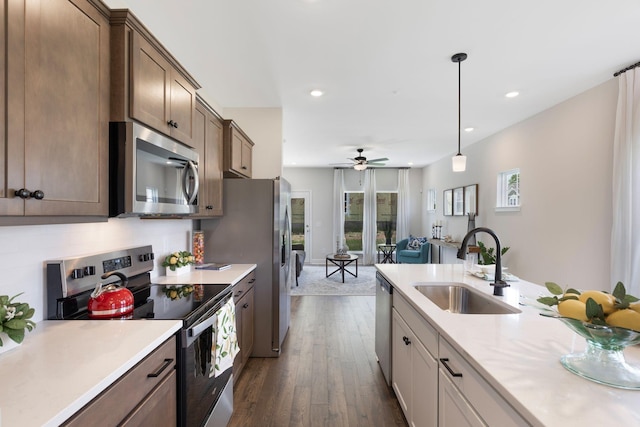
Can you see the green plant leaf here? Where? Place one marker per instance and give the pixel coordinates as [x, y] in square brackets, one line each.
[16, 334]
[630, 298]
[554, 288]
[15, 324]
[619, 291]
[594, 310]
[572, 291]
[567, 297]
[550, 301]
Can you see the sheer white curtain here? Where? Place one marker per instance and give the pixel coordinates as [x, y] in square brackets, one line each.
[338, 207]
[369, 223]
[402, 222]
[625, 233]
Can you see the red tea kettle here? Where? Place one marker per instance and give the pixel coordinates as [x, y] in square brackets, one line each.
[111, 301]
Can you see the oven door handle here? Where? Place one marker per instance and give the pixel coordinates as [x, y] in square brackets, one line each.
[200, 327]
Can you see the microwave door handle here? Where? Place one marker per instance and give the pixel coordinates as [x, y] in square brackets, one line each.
[191, 196]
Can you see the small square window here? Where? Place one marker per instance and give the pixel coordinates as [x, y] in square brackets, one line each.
[508, 190]
[431, 200]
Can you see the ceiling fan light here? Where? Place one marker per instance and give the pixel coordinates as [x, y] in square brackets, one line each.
[360, 167]
[459, 163]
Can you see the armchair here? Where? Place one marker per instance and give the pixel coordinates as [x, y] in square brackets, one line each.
[300, 255]
[411, 256]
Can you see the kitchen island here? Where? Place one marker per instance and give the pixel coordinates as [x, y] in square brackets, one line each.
[62, 365]
[518, 354]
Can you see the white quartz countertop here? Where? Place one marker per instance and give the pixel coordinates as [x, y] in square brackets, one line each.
[519, 354]
[212, 277]
[63, 365]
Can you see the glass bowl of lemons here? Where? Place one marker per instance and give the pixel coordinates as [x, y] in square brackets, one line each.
[608, 322]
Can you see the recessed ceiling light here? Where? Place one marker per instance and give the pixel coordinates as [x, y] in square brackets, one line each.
[469, 129]
[316, 93]
[410, 163]
[512, 94]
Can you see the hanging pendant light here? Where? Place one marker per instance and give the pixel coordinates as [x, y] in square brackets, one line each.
[459, 162]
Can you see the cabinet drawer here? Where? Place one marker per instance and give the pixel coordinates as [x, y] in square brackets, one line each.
[241, 288]
[423, 330]
[115, 403]
[494, 410]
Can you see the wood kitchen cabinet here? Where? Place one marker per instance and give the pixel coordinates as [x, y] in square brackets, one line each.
[238, 152]
[243, 297]
[54, 109]
[414, 369]
[144, 396]
[148, 83]
[208, 143]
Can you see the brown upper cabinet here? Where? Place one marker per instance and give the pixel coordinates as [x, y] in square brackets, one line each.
[54, 114]
[208, 143]
[148, 83]
[238, 149]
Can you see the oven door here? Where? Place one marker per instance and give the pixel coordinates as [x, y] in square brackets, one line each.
[201, 399]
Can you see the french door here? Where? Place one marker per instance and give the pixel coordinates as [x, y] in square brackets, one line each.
[301, 220]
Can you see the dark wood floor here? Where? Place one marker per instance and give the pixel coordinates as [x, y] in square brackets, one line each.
[327, 374]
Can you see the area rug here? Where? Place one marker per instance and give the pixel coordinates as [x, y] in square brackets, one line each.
[313, 281]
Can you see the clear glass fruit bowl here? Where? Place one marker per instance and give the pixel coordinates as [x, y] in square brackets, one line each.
[603, 359]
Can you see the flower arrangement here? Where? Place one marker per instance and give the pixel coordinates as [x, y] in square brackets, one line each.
[14, 318]
[178, 259]
[177, 292]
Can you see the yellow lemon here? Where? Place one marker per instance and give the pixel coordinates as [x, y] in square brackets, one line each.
[625, 318]
[574, 309]
[635, 306]
[607, 301]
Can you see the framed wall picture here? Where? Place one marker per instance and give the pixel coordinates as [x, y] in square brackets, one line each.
[471, 199]
[447, 202]
[458, 201]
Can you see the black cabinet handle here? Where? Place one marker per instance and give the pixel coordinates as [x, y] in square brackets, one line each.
[164, 366]
[244, 167]
[209, 207]
[246, 305]
[38, 195]
[252, 280]
[406, 340]
[23, 193]
[451, 371]
[173, 124]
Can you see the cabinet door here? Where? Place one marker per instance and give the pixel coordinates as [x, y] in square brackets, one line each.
[182, 108]
[213, 165]
[247, 311]
[453, 408]
[247, 158]
[159, 408]
[424, 387]
[150, 85]
[59, 113]
[401, 339]
[237, 142]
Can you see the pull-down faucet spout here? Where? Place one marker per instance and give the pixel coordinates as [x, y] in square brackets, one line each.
[498, 284]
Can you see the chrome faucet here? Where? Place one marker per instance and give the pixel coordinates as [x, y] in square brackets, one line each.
[498, 284]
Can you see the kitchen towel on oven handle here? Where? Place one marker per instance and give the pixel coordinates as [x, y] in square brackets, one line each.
[225, 341]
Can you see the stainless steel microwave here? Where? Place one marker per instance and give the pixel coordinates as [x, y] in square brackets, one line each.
[150, 174]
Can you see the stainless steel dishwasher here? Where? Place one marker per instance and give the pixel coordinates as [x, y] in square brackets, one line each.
[384, 303]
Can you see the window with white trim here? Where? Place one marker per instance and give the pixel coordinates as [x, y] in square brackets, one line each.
[431, 200]
[508, 190]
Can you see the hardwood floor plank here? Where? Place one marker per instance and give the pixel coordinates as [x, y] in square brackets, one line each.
[327, 374]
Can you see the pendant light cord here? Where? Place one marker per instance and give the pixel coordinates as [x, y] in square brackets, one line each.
[459, 122]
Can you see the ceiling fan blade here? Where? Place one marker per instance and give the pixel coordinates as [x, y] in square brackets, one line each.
[375, 164]
[381, 159]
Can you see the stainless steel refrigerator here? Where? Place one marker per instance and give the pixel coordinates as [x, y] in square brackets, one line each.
[256, 229]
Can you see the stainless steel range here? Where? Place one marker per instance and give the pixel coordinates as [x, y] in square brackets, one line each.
[203, 399]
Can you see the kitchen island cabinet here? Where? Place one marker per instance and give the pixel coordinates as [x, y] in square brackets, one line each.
[208, 143]
[63, 365]
[511, 372]
[54, 141]
[148, 83]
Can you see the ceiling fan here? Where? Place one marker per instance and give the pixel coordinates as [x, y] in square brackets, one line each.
[360, 162]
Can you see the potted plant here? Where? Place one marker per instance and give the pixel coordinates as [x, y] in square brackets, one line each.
[14, 320]
[178, 262]
[487, 255]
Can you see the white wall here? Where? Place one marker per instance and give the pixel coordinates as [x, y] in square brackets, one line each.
[562, 232]
[24, 249]
[264, 127]
[319, 182]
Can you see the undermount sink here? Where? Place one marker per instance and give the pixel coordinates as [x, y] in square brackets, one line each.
[459, 298]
